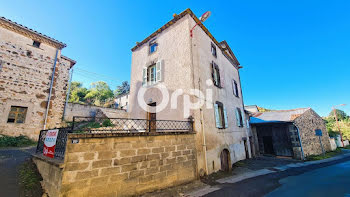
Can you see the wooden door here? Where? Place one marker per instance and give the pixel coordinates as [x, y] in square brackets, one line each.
[152, 117]
[224, 157]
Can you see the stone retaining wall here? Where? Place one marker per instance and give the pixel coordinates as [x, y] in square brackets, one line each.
[75, 109]
[125, 164]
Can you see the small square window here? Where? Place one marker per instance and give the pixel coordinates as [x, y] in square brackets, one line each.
[36, 44]
[235, 88]
[153, 46]
[213, 50]
[17, 114]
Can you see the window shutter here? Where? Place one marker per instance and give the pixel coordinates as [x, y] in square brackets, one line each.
[225, 116]
[237, 118]
[144, 76]
[243, 119]
[217, 117]
[212, 72]
[159, 68]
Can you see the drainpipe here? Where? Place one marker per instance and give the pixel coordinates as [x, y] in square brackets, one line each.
[68, 92]
[301, 145]
[50, 92]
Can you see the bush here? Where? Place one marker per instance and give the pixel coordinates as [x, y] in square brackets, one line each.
[19, 141]
[107, 123]
[327, 155]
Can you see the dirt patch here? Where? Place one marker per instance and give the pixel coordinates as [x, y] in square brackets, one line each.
[29, 180]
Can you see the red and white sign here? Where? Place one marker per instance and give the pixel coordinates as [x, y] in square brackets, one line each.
[50, 143]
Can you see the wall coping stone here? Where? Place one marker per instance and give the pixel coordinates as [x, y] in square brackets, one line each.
[56, 162]
[130, 134]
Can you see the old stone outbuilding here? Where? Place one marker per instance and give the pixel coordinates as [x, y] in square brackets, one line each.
[289, 132]
[30, 63]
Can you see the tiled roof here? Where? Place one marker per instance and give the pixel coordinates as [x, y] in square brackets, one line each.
[13, 26]
[195, 18]
[277, 116]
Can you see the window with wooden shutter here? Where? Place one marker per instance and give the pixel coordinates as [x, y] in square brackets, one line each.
[217, 116]
[220, 115]
[235, 88]
[17, 114]
[239, 119]
[215, 74]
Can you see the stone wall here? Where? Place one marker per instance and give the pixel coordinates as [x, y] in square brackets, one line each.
[307, 123]
[126, 164]
[25, 79]
[74, 109]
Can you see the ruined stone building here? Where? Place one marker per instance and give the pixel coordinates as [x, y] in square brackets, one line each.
[28, 61]
[290, 133]
[182, 62]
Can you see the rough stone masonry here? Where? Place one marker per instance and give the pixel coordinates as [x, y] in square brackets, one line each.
[25, 78]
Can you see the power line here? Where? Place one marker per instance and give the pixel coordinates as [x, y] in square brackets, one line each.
[101, 75]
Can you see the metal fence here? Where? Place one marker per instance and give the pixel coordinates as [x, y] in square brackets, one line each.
[125, 125]
[60, 142]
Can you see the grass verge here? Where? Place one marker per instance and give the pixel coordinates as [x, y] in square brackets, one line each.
[347, 147]
[29, 180]
[327, 155]
[19, 141]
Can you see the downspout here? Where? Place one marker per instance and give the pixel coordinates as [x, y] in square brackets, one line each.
[68, 92]
[301, 145]
[50, 92]
[200, 110]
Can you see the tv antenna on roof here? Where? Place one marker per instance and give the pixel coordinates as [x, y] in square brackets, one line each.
[203, 18]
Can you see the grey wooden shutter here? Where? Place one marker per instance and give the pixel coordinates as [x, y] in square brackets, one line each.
[225, 117]
[222, 77]
[212, 72]
[144, 76]
[159, 68]
[237, 117]
[217, 117]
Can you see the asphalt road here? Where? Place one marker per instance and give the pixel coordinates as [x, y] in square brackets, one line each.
[327, 179]
[10, 160]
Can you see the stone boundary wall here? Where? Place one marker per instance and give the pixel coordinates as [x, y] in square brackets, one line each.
[124, 164]
[76, 109]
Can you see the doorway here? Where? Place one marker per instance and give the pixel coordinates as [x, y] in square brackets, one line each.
[246, 149]
[152, 117]
[225, 161]
[268, 145]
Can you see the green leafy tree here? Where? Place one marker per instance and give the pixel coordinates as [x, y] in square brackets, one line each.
[341, 115]
[122, 89]
[77, 92]
[99, 93]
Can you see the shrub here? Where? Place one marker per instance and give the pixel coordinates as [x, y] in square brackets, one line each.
[19, 141]
[107, 123]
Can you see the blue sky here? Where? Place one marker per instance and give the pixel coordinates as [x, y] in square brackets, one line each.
[294, 53]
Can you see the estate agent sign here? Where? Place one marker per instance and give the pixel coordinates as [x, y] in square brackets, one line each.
[50, 143]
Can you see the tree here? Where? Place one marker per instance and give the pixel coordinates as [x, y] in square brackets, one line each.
[341, 115]
[122, 89]
[99, 92]
[77, 92]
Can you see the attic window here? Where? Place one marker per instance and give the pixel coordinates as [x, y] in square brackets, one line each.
[153, 46]
[213, 50]
[36, 44]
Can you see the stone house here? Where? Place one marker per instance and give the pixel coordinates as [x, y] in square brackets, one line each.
[172, 58]
[30, 64]
[289, 132]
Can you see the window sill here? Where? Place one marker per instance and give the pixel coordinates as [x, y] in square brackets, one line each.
[35, 47]
[151, 85]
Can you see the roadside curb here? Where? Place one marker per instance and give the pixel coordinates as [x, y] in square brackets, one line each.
[235, 179]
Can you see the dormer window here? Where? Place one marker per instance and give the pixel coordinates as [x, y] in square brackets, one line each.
[36, 44]
[213, 50]
[153, 46]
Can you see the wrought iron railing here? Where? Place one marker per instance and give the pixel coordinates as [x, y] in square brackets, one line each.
[60, 142]
[125, 125]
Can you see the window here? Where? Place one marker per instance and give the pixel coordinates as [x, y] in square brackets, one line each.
[235, 88]
[152, 74]
[239, 118]
[152, 46]
[216, 74]
[220, 115]
[36, 44]
[17, 114]
[213, 50]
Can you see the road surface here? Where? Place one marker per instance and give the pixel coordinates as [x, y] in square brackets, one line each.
[326, 179]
